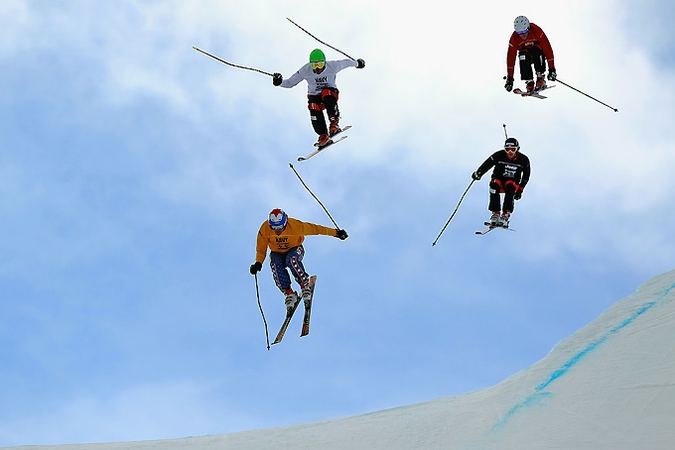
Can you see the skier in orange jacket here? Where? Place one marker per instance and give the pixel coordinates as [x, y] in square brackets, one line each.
[284, 236]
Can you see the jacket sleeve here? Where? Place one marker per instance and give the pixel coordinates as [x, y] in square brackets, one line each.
[344, 63]
[511, 57]
[312, 229]
[261, 246]
[526, 175]
[296, 78]
[546, 48]
[487, 165]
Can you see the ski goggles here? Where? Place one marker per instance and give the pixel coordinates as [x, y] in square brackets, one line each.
[525, 31]
[318, 64]
[510, 148]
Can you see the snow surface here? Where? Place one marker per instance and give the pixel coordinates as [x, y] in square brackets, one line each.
[611, 385]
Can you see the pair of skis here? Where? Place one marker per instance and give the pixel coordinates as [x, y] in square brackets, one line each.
[491, 227]
[535, 93]
[332, 141]
[306, 318]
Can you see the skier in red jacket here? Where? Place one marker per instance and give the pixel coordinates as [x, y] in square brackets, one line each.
[533, 48]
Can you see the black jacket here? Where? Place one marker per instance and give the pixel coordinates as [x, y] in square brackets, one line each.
[517, 170]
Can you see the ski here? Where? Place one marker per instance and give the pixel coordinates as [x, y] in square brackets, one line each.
[535, 93]
[308, 308]
[491, 227]
[322, 148]
[316, 144]
[284, 326]
[486, 231]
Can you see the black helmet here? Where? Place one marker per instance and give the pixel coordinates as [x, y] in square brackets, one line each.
[512, 142]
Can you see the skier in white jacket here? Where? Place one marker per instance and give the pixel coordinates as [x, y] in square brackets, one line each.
[322, 91]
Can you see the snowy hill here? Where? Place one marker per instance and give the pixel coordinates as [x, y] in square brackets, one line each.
[611, 385]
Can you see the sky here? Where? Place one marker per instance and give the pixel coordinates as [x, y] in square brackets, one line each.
[135, 173]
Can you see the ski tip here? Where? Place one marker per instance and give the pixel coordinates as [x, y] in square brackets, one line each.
[301, 158]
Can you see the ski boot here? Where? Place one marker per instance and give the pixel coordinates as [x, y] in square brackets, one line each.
[291, 301]
[306, 293]
[541, 82]
[334, 127]
[323, 140]
[495, 218]
[504, 219]
[529, 87]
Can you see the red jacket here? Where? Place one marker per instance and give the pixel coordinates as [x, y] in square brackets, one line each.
[535, 38]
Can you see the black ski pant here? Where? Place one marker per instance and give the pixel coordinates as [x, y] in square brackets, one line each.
[528, 57]
[328, 100]
[497, 187]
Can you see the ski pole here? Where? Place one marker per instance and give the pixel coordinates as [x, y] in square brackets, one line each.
[454, 212]
[327, 45]
[592, 98]
[231, 64]
[315, 197]
[506, 136]
[257, 294]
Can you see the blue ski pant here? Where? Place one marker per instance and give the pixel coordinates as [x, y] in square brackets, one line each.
[281, 262]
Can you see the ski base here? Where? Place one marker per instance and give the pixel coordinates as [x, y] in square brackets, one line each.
[308, 308]
[491, 227]
[535, 93]
[284, 326]
[306, 318]
[322, 148]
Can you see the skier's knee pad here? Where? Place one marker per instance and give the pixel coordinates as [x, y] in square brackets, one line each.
[510, 186]
[496, 186]
[329, 93]
[313, 106]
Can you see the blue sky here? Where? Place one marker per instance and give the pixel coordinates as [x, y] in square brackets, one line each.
[135, 173]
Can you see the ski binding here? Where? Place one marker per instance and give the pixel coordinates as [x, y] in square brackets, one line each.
[491, 227]
[342, 130]
[308, 308]
[322, 148]
[289, 315]
[535, 93]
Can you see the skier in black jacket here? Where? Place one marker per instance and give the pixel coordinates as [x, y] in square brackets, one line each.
[509, 177]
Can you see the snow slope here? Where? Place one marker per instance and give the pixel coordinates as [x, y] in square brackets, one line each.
[611, 385]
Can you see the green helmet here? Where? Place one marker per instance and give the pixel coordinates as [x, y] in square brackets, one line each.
[316, 56]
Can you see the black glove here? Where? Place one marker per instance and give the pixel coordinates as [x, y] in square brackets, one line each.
[476, 175]
[277, 79]
[552, 75]
[360, 63]
[255, 268]
[341, 234]
[518, 195]
[509, 84]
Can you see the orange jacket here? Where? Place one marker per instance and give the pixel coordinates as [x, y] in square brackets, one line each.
[292, 236]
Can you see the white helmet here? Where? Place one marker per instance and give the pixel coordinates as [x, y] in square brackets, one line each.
[521, 25]
[278, 219]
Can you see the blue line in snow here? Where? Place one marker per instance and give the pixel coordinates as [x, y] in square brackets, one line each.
[540, 395]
